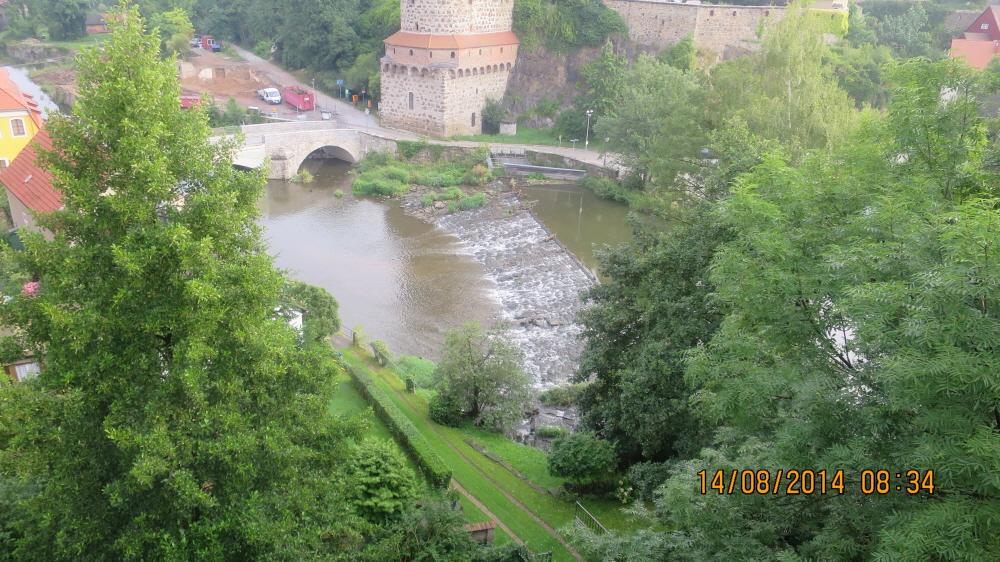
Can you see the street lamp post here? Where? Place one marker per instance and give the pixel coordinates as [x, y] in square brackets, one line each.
[314, 98]
[586, 141]
[606, 139]
[574, 141]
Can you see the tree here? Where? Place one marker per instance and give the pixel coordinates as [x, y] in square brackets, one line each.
[858, 292]
[605, 81]
[581, 457]
[67, 19]
[433, 532]
[682, 56]
[660, 125]
[494, 113]
[381, 483]
[175, 418]
[481, 369]
[320, 317]
[317, 34]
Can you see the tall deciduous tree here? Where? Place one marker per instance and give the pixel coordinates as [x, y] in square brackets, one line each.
[481, 370]
[174, 419]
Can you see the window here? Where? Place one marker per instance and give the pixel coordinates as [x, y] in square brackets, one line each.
[453, 54]
[411, 52]
[985, 26]
[17, 128]
[26, 371]
[734, 12]
[473, 119]
[3, 164]
[411, 100]
[711, 12]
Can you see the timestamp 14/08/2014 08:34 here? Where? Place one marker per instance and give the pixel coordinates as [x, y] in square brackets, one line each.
[791, 482]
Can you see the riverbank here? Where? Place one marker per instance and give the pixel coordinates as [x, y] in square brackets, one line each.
[538, 281]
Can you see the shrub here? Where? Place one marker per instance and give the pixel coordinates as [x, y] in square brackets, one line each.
[473, 202]
[646, 477]
[426, 201]
[381, 485]
[563, 396]
[445, 410]
[436, 471]
[394, 173]
[381, 349]
[338, 193]
[492, 114]
[303, 177]
[551, 431]
[374, 160]
[453, 206]
[536, 176]
[478, 175]
[372, 183]
[437, 178]
[451, 193]
[582, 457]
[409, 149]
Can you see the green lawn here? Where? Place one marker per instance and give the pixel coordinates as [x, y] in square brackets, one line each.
[519, 522]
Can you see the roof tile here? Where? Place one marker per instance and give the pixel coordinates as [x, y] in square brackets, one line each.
[31, 184]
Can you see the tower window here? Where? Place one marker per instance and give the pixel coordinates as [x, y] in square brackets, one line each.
[430, 54]
[473, 119]
[411, 100]
[411, 52]
[711, 12]
[480, 51]
[453, 54]
[501, 49]
[734, 12]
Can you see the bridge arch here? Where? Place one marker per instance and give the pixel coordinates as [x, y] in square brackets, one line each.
[320, 149]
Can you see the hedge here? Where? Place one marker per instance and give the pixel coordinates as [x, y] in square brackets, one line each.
[436, 471]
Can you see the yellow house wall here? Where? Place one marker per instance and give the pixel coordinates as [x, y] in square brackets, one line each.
[11, 146]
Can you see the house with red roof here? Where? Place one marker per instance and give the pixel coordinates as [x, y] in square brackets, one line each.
[981, 41]
[29, 186]
[20, 119]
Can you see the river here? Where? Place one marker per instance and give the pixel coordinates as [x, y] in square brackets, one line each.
[405, 281]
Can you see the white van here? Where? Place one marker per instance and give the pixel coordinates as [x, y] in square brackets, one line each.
[270, 95]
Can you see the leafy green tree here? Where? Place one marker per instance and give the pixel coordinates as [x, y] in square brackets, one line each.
[859, 320]
[320, 317]
[317, 34]
[784, 91]
[481, 369]
[605, 81]
[904, 33]
[682, 56]
[660, 126]
[581, 457]
[175, 418]
[381, 484]
[66, 19]
[433, 532]
[494, 113]
[364, 74]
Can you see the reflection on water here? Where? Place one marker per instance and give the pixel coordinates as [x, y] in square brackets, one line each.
[405, 281]
[19, 75]
[581, 220]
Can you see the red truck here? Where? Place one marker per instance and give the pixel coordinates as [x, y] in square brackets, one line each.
[207, 42]
[298, 97]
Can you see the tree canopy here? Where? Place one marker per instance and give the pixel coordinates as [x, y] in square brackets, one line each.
[175, 418]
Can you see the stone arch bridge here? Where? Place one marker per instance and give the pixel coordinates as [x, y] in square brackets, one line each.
[289, 144]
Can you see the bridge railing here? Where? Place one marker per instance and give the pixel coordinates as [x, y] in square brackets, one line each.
[289, 127]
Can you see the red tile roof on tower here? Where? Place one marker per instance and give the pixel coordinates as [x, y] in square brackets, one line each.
[31, 184]
[433, 41]
[11, 97]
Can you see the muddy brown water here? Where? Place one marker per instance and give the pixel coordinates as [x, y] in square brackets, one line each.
[405, 281]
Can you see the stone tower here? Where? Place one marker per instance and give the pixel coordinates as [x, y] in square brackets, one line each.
[449, 56]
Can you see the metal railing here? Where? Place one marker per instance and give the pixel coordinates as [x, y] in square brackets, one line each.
[583, 517]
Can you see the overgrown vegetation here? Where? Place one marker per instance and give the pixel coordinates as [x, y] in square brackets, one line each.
[380, 174]
[563, 26]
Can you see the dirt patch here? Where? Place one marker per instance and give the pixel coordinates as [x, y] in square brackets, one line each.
[55, 77]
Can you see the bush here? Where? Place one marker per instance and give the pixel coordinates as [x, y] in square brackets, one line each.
[373, 183]
[493, 113]
[582, 457]
[563, 396]
[304, 176]
[338, 193]
[478, 175]
[536, 176]
[445, 410]
[451, 193]
[374, 160]
[551, 431]
[646, 477]
[453, 206]
[381, 485]
[426, 201]
[394, 173]
[436, 471]
[473, 202]
[409, 149]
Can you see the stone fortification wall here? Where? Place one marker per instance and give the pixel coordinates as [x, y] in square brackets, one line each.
[427, 92]
[714, 27]
[456, 16]
[467, 96]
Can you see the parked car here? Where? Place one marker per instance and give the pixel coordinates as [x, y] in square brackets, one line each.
[270, 95]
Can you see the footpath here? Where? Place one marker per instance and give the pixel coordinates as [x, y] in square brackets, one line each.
[349, 116]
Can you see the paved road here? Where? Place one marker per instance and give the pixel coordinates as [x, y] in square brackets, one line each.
[349, 116]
